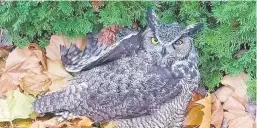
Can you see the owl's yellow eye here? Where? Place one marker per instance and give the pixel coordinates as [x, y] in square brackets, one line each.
[180, 42]
[155, 42]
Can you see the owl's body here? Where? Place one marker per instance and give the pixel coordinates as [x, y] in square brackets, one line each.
[143, 90]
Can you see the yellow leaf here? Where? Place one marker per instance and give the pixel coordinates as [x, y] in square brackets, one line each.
[10, 108]
[22, 123]
[85, 122]
[206, 102]
[194, 117]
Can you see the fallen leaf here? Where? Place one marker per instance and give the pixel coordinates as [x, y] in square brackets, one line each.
[35, 50]
[19, 63]
[3, 52]
[195, 97]
[206, 102]
[243, 122]
[194, 114]
[6, 84]
[17, 123]
[240, 95]
[56, 68]
[58, 75]
[27, 58]
[38, 124]
[2, 65]
[217, 112]
[51, 122]
[235, 102]
[96, 5]
[235, 81]
[22, 123]
[53, 49]
[223, 93]
[234, 114]
[194, 117]
[108, 34]
[233, 105]
[35, 84]
[10, 108]
[81, 122]
[85, 122]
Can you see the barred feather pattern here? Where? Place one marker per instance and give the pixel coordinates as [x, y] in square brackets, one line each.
[134, 91]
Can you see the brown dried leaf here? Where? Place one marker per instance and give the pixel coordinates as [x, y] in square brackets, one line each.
[235, 81]
[35, 50]
[35, 84]
[3, 52]
[240, 95]
[53, 49]
[51, 122]
[234, 114]
[2, 65]
[38, 124]
[96, 5]
[24, 60]
[6, 84]
[233, 105]
[108, 34]
[223, 93]
[217, 112]
[243, 122]
[20, 62]
[206, 102]
[58, 75]
[82, 122]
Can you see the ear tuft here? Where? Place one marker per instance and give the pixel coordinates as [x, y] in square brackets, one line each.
[151, 19]
[193, 28]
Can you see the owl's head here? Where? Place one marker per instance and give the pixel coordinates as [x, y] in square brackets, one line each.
[170, 40]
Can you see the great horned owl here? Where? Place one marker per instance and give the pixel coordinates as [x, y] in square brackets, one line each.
[147, 89]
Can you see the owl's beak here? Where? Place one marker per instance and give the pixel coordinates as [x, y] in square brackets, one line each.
[163, 51]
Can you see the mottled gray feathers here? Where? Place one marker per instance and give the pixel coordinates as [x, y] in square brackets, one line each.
[130, 82]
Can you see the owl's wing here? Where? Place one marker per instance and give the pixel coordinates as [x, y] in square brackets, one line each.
[135, 100]
[127, 43]
[106, 98]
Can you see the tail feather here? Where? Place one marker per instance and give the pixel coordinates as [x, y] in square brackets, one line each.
[66, 99]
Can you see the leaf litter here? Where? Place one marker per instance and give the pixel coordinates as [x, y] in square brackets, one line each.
[227, 107]
[31, 72]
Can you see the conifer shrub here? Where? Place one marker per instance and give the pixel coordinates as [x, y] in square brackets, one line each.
[226, 44]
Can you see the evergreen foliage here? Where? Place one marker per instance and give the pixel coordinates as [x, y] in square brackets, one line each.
[226, 44]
